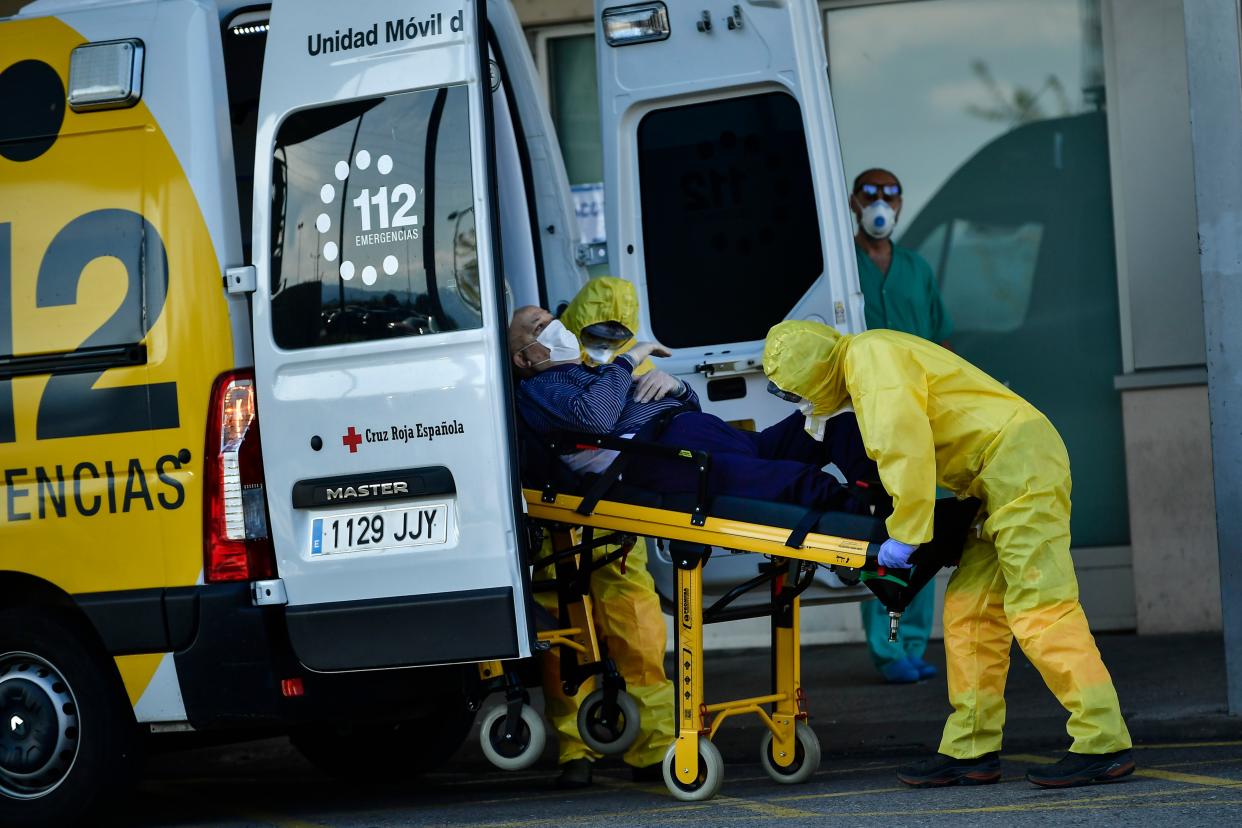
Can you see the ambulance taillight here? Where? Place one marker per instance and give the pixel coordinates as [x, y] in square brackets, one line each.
[236, 542]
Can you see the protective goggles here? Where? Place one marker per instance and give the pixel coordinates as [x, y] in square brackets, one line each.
[870, 192]
[605, 335]
[784, 395]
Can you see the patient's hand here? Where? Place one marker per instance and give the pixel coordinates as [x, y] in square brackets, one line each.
[655, 385]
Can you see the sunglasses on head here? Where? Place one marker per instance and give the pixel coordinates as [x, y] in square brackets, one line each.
[873, 191]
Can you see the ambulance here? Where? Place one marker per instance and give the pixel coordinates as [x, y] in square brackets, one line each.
[257, 466]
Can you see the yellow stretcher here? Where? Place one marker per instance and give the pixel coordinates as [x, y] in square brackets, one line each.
[795, 539]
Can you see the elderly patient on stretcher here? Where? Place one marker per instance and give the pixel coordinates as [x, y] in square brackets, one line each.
[559, 393]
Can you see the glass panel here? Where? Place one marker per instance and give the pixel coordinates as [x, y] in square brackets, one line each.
[991, 114]
[986, 272]
[575, 112]
[726, 197]
[575, 106]
[373, 221]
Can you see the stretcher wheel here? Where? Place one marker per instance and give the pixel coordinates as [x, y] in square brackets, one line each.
[609, 735]
[806, 756]
[520, 752]
[711, 773]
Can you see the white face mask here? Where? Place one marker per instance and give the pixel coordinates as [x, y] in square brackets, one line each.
[562, 345]
[815, 423]
[878, 219]
[600, 356]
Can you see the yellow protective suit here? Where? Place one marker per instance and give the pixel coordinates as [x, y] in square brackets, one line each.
[930, 418]
[628, 617]
[605, 299]
[629, 622]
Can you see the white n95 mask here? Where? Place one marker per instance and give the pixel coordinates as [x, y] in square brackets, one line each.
[600, 356]
[561, 343]
[815, 423]
[878, 219]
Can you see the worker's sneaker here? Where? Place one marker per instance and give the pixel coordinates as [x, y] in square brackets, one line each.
[576, 773]
[900, 672]
[939, 771]
[926, 670]
[1082, 769]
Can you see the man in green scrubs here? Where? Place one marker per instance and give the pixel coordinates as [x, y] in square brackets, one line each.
[900, 293]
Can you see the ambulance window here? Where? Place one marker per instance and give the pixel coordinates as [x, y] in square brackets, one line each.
[373, 221]
[730, 231]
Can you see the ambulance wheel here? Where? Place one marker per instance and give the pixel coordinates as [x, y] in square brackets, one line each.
[806, 756]
[609, 735]
[68, 741]
[386, 751]
[524, 749]
[706, 784]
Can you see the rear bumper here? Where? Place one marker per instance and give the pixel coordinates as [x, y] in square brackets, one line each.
[231, 673]
[471, 625]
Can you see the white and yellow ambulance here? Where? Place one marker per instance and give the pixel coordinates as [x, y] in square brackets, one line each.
[216, 214]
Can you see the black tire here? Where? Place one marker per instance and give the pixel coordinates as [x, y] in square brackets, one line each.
[68, 741]
[612, 734]
[386, 752]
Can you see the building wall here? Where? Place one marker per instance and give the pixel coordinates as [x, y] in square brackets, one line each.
[1163, 388]
[547, 12]
[1172, 509]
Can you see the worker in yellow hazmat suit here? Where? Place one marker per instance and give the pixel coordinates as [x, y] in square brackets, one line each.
[604, 317]
[930, 418]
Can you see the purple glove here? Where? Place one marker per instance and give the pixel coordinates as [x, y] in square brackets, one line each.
[894, 554]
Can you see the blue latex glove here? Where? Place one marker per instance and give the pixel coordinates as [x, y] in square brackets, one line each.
[895, 554]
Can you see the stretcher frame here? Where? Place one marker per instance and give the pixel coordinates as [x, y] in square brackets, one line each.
[691, 537]
[582, 658]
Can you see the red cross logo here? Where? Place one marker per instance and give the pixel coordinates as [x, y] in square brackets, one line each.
[352, 439]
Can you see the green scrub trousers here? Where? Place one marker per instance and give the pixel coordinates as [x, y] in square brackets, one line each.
[916, 624]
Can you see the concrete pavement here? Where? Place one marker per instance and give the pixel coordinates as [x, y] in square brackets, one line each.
[1189, 754]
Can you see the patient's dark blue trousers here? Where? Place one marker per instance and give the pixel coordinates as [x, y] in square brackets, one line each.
[781, 463]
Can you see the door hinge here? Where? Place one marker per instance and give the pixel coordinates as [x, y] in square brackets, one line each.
[241, 279]
[268, 593]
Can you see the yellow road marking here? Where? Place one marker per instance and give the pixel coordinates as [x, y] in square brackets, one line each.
[836, 794]
[1189, 778]
[1072, 805]
[767, 809]
[757, 806]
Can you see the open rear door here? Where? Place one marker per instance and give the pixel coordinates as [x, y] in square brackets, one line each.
[383, 387]
[726, 202]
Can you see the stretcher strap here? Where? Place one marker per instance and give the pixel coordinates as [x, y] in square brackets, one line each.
[605, 481]
[798, 536]
[651, 431]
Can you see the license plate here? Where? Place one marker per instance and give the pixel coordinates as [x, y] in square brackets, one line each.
[424, 525]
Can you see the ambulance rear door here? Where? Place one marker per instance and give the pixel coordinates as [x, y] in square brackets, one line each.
[726, 201]
[379, 338]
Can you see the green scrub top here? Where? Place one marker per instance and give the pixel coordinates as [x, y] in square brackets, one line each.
[907, 299]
